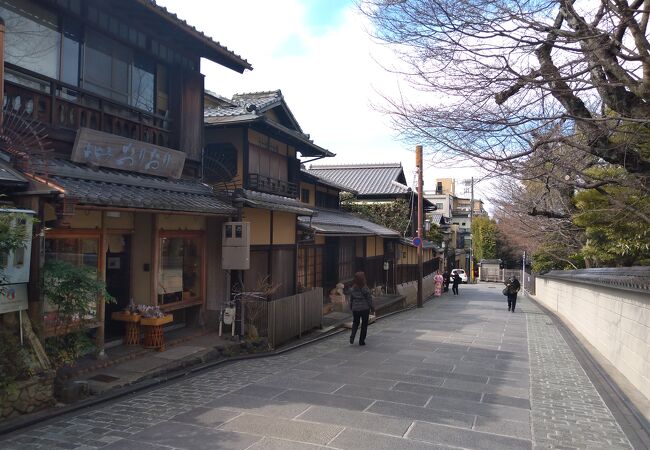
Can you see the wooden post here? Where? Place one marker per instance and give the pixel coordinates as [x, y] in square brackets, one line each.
[418, 164]
[155, 259]
[2, 70]
[101, 302]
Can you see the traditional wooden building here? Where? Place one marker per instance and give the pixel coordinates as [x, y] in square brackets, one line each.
[253, 144]
[117, 88]
[386, 182]
[334, 244]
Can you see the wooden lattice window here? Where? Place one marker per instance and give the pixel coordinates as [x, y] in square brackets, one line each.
[219, 162]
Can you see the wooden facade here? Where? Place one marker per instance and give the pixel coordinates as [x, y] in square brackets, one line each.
[121, 78]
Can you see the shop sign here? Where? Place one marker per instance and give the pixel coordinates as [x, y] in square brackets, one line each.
[108, 150]
[13, 298]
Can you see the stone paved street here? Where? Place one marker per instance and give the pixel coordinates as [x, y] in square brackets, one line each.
[461, 373]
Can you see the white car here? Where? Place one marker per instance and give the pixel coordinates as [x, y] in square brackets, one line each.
[461, 273]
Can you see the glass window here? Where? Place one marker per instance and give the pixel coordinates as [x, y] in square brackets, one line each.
[70, 53]
[32, 39]
[304, 195]
[106, 67]
[77, 251]
[142, 83]
[180, 269]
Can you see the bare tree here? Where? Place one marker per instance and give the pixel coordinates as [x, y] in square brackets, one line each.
[551, 235]
[505, 81]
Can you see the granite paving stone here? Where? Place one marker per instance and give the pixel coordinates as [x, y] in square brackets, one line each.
[355, 419]
[460, 373]
[438, 391]
[317, 398]
[382, 394]
[257, 405]
[359, 440]
[456, 437]
[282, 444]
[479, 409]
[293, 430]
[188, 436]
[424, 414]
[207, 417]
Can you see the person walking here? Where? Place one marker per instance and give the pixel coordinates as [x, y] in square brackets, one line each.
[445, 277]
[455, 281]
[437, 280]
[512, 287]
[361, 306]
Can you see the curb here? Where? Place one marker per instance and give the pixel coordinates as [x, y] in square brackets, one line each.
[113, 394]
[633, 423]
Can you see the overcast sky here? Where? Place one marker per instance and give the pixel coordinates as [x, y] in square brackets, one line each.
[318, 52]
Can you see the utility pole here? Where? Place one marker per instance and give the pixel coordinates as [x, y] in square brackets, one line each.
[2, 69]
[523, 271]
[418, 165]
[471, 237]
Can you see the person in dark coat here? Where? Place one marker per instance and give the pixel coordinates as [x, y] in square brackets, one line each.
[361, 306]
[455, 281]
[445, 283]
[512, 287]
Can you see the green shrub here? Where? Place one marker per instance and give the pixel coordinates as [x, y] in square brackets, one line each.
[73, 290]
[14, 360]
[66, 349]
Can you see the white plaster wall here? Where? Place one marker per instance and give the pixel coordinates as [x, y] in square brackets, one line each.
[616, 322]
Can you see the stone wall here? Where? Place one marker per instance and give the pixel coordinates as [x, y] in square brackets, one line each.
[28, 396]
[410, 289]
[615, 320]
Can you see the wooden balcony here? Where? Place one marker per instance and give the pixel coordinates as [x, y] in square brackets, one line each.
[270, 185]
[65, 107]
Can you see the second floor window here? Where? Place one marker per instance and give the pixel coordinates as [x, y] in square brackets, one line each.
[304, 195]
[36, 40]
[266, 163]
[113, 71]
[32, 39]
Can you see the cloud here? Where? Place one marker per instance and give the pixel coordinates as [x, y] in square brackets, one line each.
[329, 73]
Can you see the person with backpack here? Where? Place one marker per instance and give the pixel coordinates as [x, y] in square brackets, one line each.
[511, 289]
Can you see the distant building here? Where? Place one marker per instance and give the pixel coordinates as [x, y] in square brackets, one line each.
[456, 221]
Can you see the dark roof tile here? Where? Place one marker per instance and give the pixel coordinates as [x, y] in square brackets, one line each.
[109, 187]
[366, 179]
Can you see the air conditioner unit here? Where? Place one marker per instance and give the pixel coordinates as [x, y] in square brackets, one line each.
[236, 245]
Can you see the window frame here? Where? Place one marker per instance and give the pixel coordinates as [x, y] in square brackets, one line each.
[201, 295]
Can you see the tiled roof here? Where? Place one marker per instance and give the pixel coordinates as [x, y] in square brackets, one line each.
[253, 103]
[250, 107]
[10, 176]
[340, 223]
[108, 187]
[366, 179]
[219, 53]
[275, 203]
[636, 278]
[306, 176]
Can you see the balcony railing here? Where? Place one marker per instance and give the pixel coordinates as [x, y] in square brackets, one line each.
[270, 185]
[63, 106]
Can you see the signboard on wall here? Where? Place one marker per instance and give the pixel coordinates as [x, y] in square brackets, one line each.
[13, 298]
[117, 152]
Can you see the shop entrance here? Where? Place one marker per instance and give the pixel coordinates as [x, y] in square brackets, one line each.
[118, 280]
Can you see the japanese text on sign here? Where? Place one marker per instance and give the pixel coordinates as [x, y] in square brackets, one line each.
[107, 150]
